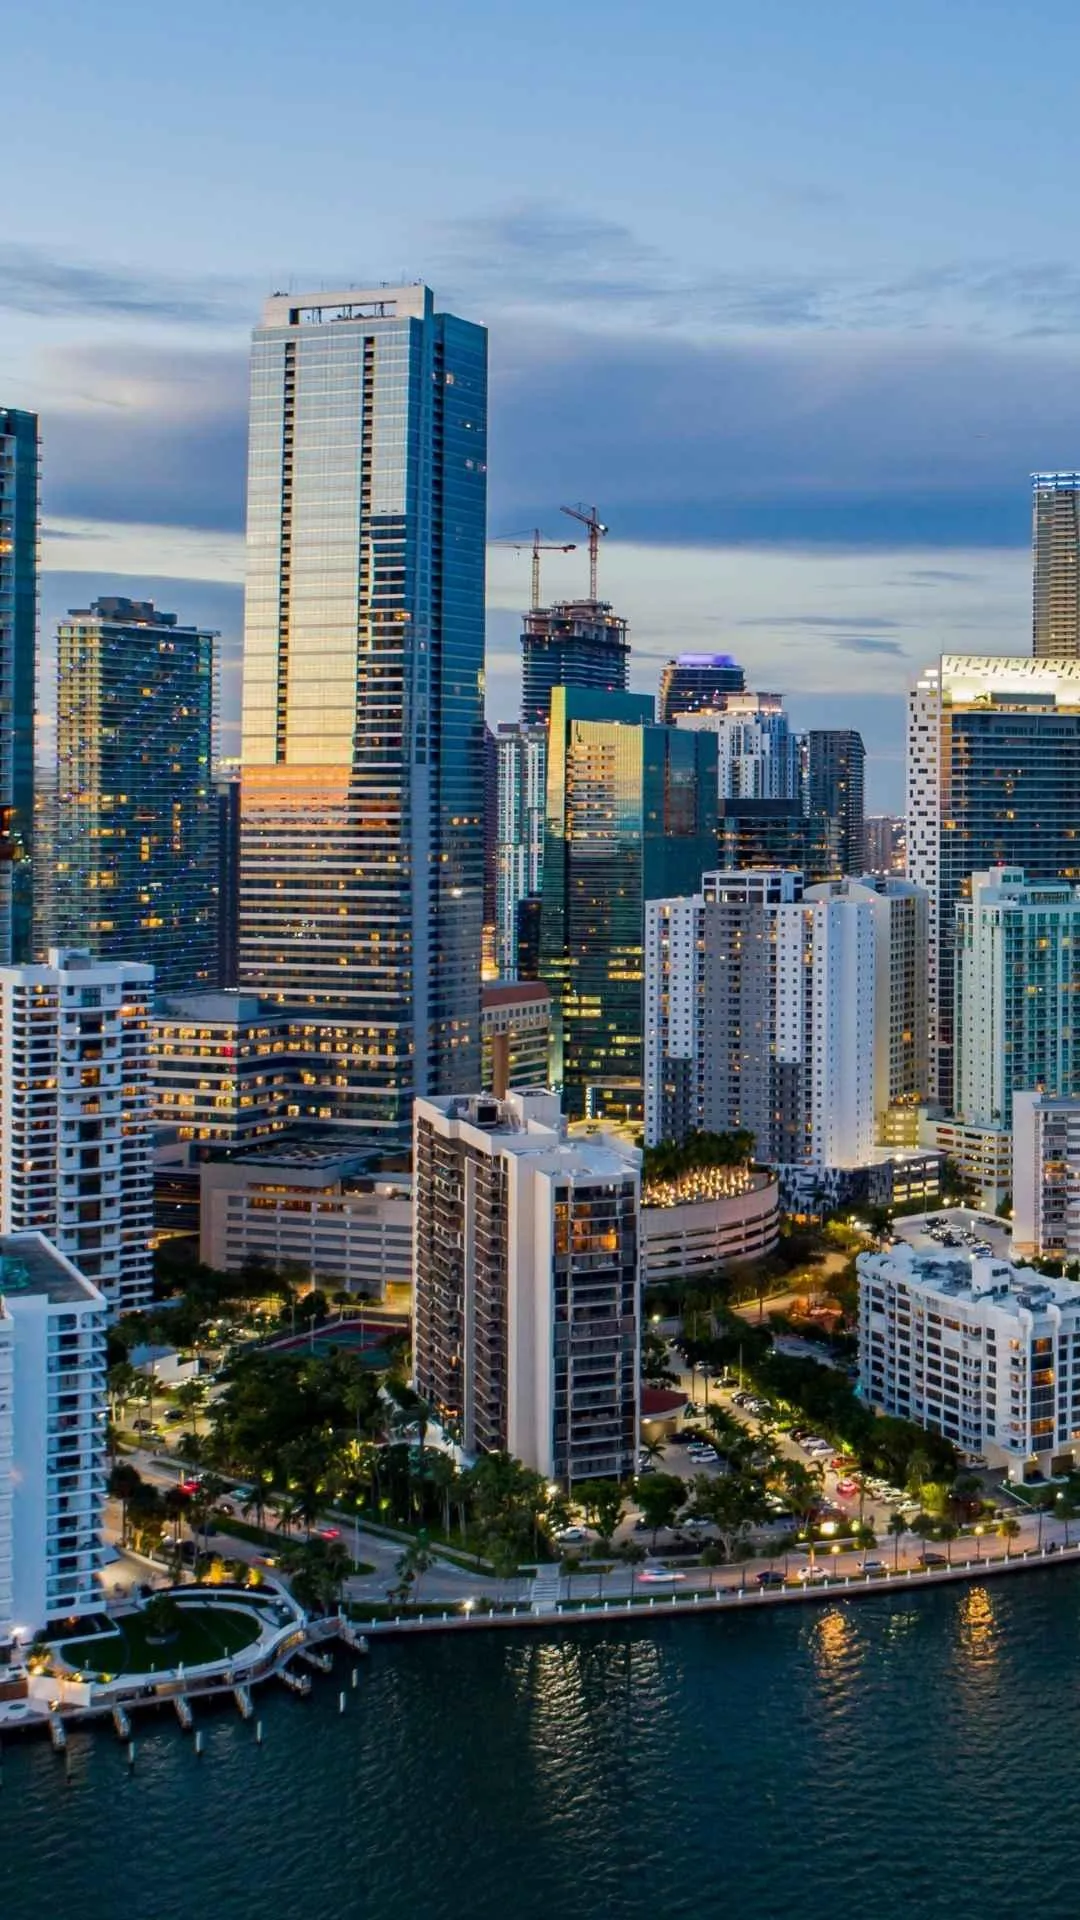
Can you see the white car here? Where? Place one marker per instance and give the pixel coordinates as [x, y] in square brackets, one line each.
[659, 1576]
[572, 1536]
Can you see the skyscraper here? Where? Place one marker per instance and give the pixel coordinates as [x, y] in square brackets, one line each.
[694, 682]
[19, 531]
[77, 1147]
[1056, 552]
[777, 833]
[631, 816]
[136, 814]
[835, 784]
[521, 792]
[757, 755]
[901, 1032]
[362, 856]
[1017, 985]
[576, 643]
[993, 780]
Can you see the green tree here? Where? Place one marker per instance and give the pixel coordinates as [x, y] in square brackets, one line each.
[190, 1397]
[660, 1497]
[1009, 1529]
[125, 1482]
[898, 1526]
[604, 1505]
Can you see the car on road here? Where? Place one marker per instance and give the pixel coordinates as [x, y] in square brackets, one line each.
[874, 1566]
[143, 1426]
[933, 1560]
[811, 1576]
[571, 1536]
[266, 1559]
[191, 1485]
[847, 1489]
[173, 1414]
[328, 1533]
[659, 1576]
[770, 1578]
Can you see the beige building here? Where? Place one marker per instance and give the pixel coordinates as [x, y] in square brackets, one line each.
[298, 1205]
[515, 1032]
[224, 1067]
[685, 1238]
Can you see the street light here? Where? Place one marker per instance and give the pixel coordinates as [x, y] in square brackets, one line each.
[979, 1531]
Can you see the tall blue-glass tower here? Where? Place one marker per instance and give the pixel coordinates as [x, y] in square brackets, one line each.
[19, 532]
[362, 834]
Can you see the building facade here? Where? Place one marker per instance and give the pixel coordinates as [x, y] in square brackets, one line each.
[836, 785]
[19, 540]
[227, 795]
[823, 1035]
[136, 814]
[688, 1239]
[1016, 987]
[631, 816]
[301, 1208]
[521, 800]
[886, 843]
[515, 1024]
[694, 682]
[76, 1150]
[901, 1006]
[575, 643]
[986, 1353]
[53, 1445]
[757, 754]
[777, 833]
[993, 780]
[362, 842]
[527, 1290]
[1055, 530]
[224, 1067]
[1046, 1175]
[709, 1008]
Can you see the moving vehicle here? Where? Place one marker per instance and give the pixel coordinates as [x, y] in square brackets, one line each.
[571, 1536]
[770, 1578]
[659, 1576]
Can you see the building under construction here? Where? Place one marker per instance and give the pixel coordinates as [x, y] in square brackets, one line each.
[575, 643]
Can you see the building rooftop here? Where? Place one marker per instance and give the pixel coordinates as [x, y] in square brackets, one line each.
[971, 1278]
[504, 993]
[30, 1264]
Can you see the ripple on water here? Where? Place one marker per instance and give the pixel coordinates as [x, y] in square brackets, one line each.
[816, 1760]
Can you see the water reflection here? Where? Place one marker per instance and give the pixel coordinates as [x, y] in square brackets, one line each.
[980, 1634]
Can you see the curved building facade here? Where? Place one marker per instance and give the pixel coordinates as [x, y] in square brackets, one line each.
[694, 1237]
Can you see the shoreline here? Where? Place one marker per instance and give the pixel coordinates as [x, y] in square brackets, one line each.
[732, 1600]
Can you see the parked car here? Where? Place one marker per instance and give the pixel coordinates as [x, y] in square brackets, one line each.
[572, 1536]
[770, 1578]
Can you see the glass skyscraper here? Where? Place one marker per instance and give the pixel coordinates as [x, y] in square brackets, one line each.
[18, 640]
[993, 780]
[362, 838]
[695, 682]
[835, 784]
[135, 835]
[631, 816]
[1055, 516]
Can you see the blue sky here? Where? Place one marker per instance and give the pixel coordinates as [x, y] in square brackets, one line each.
[791, 292]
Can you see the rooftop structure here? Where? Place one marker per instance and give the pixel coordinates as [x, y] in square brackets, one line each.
[694, 682]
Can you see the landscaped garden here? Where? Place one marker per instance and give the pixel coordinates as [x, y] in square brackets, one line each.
[201, 1632]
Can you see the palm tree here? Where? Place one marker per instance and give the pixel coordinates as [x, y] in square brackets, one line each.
[1009, 1529]
[947, 1531]
[653, 1450]
[898, 1526]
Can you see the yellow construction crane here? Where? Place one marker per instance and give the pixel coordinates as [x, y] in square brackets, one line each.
[591, 519]
[539, 545]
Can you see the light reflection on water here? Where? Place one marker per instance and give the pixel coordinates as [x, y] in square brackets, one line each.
[819, 1761]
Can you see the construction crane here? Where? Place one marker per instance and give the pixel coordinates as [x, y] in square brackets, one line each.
[591, 519]
[539, 545]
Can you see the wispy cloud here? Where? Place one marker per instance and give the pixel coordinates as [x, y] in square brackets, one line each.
[861, 643]
[33, 281]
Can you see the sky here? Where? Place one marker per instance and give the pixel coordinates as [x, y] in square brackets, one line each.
[790, 292]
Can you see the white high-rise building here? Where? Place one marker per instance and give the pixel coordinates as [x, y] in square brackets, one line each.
[986, 1353]
[1017, 993]
[901, 1058]
[710, 1005]
[76, 1145]
[52, 1438]
[527, 1297]
[757, 753]
[1046, 1175]
[521, 779]
[824, 1033]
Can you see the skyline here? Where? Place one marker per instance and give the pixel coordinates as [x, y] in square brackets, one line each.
[805, 395]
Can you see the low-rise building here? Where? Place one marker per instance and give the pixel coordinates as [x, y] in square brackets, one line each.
[976, 1349]
[982, 1156]
[687, 1235]
[891, 1177]
[52, 1438]
[1046, 1175]
[515, 1035]
[343, 1217]
[527, 1312]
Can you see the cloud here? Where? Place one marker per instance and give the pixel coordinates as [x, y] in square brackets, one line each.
[35, 282]
[819, 621]
[859, 643]
[144, 435]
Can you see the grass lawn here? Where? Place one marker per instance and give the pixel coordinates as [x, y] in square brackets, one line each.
[205, 1633]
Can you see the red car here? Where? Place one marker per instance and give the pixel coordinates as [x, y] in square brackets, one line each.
[845, 1488]
[189, 1486]
[328, 1533]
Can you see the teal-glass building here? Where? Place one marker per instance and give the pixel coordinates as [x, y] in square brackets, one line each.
[631, 816]
[19, 534]
[362, 829]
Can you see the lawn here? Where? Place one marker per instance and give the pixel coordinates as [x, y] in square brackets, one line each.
[205, 1633]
